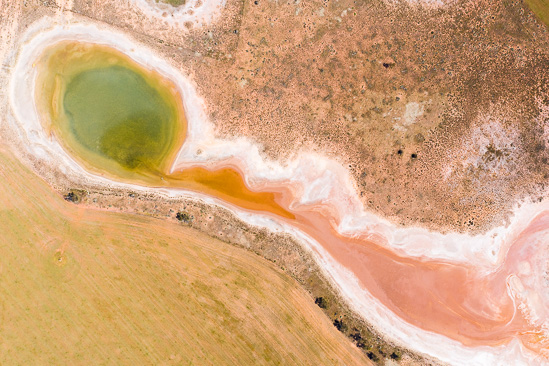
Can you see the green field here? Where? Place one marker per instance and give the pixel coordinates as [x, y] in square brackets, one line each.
[541, 9]
[86, 287]
[173, 2]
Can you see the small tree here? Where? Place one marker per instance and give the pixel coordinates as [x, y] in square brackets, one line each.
[71, 197]
[183, 216]
[321, 302]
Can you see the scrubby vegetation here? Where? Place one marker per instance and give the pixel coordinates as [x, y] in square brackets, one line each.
[183, 217]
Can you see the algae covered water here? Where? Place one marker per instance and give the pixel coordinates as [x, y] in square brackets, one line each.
[109, 111]
[114, 112]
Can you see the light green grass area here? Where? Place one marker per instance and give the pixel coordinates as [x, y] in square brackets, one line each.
[173, 2]
[541, 9]
[85, 287]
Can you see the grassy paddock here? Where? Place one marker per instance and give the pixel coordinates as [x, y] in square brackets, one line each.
[540, 8]
[82, 286]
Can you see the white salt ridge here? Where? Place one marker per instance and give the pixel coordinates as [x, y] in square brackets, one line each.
[197, 12]
[319, 180]
[432, 4]
[315, 178]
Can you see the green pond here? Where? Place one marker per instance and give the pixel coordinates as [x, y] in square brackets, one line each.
[114, 112]
[109, 112]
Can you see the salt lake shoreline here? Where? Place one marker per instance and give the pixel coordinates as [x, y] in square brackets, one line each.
[309, 182]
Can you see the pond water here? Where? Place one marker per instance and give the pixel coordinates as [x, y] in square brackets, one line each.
[108, 111]
[114, 112]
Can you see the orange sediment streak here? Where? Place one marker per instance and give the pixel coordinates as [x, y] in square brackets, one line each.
[228, 185]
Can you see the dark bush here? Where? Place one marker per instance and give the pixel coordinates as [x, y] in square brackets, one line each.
[321, 302]
[356, 336]
[183, 216]
[71, 197]
[340, 325]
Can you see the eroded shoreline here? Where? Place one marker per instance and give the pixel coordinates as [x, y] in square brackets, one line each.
[310, 187]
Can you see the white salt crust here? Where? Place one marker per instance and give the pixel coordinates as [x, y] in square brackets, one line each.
[197, 12]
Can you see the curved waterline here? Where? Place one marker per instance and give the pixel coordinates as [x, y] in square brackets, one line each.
[126, 122]
[107, 111]
[476, 304]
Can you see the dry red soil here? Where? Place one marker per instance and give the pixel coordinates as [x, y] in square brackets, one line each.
[424, 105]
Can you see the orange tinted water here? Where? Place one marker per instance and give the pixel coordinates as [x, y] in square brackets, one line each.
[228, 185]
